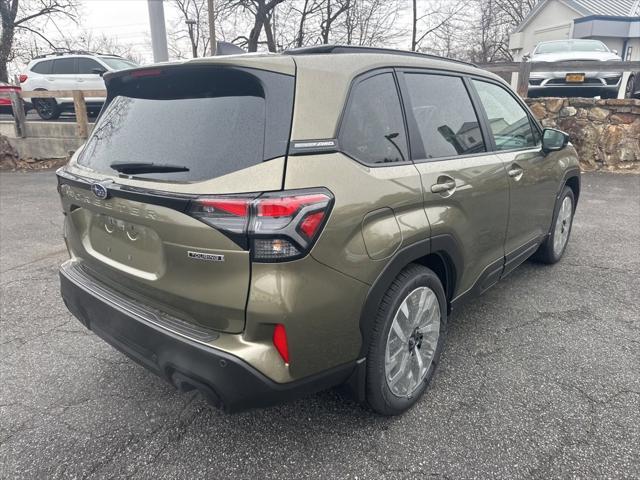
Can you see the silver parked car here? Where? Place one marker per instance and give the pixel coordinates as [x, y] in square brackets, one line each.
[575, 83]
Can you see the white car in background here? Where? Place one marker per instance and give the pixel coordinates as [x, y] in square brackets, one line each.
[69, 71]
[579, 82]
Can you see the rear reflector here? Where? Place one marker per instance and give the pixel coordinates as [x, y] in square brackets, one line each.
[280, 342]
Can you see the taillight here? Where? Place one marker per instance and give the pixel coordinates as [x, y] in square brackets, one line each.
[275, 226]
[23, 78]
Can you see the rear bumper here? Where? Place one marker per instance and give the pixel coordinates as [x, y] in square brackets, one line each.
[225, 380]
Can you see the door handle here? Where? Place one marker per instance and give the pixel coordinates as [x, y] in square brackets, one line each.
[444, 186]
[515, 171]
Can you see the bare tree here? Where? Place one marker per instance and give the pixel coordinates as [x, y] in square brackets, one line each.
[515, 10]
[435, 16]
[192, 26]
[261, 17]
[496, 19]
[28, 16]
[373, 22]
[331, 12]
[102, 43]
[309, 9]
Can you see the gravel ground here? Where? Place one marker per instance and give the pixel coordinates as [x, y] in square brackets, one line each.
[540, 378]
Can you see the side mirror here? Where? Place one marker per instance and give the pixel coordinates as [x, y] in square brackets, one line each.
[526, 57]
[615, 52]
[99, 71]
[554, 140]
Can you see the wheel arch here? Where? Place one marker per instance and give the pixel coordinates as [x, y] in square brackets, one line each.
[441, 254]
[573, 182]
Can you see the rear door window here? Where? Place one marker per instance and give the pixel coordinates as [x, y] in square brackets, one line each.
[87, 65]
[211, 121]
[444, 115]
[373, 128]
[64, 66]
[43, 68]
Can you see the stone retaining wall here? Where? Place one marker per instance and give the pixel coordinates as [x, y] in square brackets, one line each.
[606, 133]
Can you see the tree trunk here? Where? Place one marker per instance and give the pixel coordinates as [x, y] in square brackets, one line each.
[327, 25]
[271, 41]
[6, 42]
[303, 19]
[8, 12]
[254, 36]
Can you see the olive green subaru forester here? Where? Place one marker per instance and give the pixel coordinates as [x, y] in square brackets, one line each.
[258, 227]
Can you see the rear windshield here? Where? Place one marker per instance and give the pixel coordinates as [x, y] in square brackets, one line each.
[210, 121]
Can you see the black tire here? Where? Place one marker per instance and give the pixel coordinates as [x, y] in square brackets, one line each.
[546, 253]
[630, 88]
[47, 108]
[379, 396]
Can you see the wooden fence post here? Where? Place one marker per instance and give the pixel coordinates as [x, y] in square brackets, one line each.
[523, 79]
[18, 114]
[80, 107]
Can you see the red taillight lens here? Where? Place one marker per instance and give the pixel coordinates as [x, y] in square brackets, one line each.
[277, 226]
[229, 214]
[23, 78]
[280, 342]
[287, 206]
[311, 223]
[239, 208]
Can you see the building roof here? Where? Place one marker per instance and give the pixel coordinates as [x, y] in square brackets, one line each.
[616, 8]
[586, 8]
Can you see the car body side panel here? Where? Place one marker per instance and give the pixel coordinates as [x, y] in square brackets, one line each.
[319, 307]
[475, 215]
[532, 196]
[360, 190]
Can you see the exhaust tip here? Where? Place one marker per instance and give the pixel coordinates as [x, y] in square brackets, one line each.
[184, 384]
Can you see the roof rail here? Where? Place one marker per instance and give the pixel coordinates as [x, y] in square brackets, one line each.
[319, 49]
[63, 51]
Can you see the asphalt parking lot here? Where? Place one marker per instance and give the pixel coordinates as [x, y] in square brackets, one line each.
[540, 377]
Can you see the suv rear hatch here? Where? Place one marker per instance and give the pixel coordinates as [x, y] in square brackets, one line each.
[172, 145]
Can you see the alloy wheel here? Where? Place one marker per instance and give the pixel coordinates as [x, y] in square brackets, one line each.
[563, 226]
[412, 342]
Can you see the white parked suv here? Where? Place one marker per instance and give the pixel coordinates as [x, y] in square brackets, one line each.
[69, 71]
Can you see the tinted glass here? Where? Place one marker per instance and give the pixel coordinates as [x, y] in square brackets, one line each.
[64, 66]
[373, 127]
[445, 116]
[43, 67]
[118, 63]
[572, 46]
[86, 66]
[212, 121]
[509, 122]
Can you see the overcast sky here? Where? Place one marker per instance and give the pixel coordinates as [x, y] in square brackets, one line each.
[127, 20]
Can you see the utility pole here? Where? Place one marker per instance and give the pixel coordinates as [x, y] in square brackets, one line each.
[158, 30]
[213, 43]
[194, 49]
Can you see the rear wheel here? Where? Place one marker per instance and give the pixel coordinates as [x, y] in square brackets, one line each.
[553, 247]
[47, 108]
[407, 341]
[629, 90]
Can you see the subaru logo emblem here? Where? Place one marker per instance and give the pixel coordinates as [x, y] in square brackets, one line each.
[100, 191]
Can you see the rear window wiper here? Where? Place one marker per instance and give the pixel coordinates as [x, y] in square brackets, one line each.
[148, 167]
